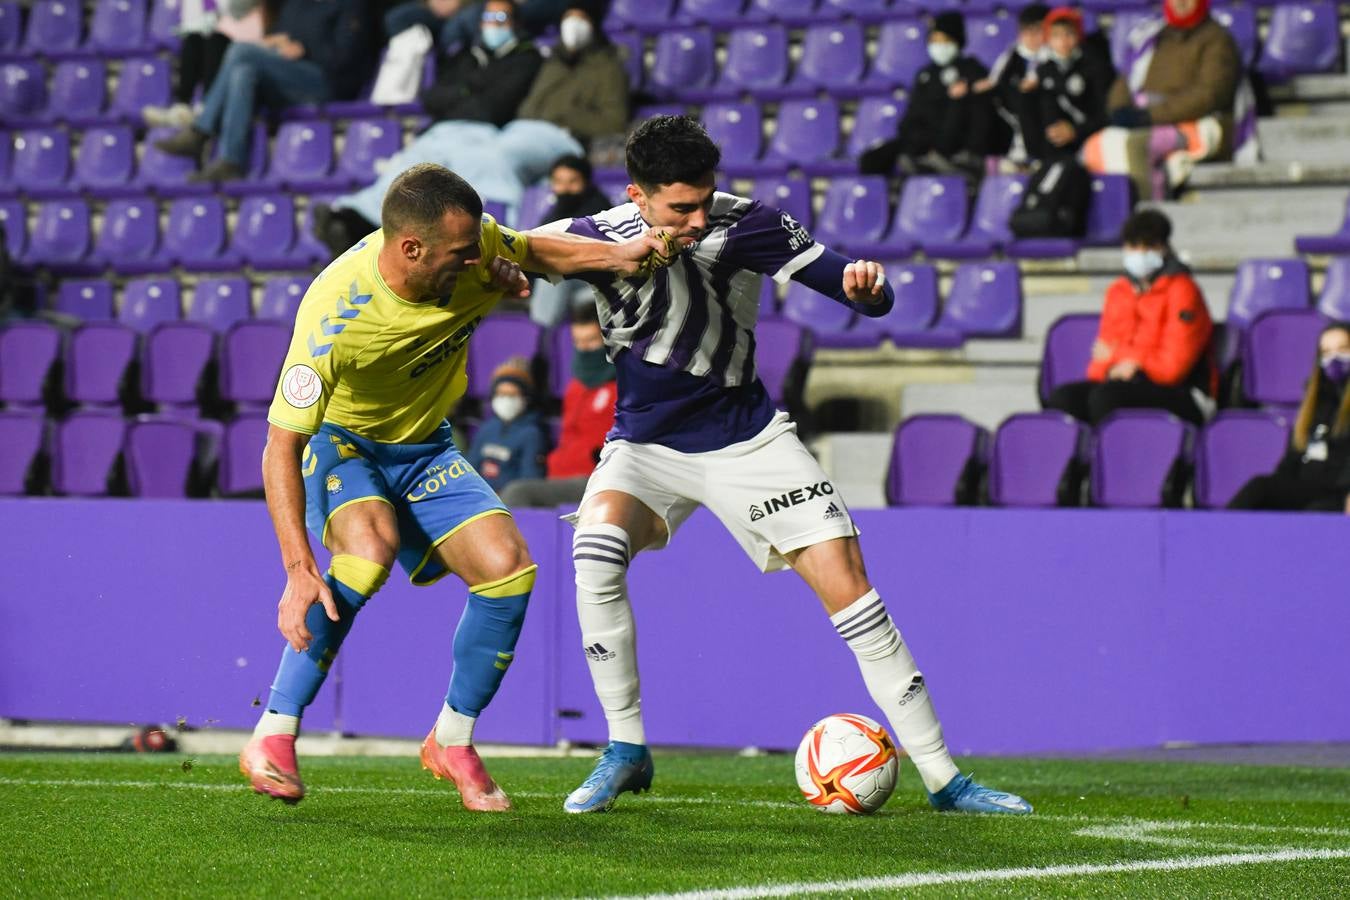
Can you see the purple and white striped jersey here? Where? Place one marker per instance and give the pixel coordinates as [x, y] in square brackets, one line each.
[683, 339]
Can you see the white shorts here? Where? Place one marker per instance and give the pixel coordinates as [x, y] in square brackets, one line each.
[769, 491]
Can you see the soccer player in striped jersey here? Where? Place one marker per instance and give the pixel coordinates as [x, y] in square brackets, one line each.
[694, 426]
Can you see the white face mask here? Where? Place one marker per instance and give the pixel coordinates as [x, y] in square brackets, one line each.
[942, 53]
[1142, 264]
[506, 407]
[576, 33]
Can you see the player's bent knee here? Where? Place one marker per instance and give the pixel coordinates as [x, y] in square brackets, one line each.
[600, 555]
[361, 575]
[515, 587]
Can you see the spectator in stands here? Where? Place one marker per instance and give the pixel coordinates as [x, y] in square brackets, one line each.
[510, 443]
[948, 126]
[1070, 100]
[318, 51]
[580, 94]
[574, 195]
[454, 23]
[1152, 348]
[1172, 104]
[1315, 473]
[587, 416]
[1012, 80]
[486, 81]
[204, 36]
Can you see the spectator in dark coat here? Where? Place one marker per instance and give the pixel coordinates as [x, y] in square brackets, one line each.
[1011, 81]
[509, 445]
[487, 81]
[1070, 99]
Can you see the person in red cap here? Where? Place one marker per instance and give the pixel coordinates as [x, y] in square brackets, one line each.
[1172, 104]
[1071, 89]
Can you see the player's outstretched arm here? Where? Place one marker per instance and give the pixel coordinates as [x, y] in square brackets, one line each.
[860, 284]
[559, 253]
[285, 489]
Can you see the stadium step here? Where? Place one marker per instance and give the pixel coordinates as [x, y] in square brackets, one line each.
[986, 404]
[1216, 229]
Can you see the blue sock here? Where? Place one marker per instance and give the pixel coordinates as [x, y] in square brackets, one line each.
[485, 641]
[352, 580]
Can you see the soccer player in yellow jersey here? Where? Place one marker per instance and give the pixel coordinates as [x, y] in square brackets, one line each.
[359, 450]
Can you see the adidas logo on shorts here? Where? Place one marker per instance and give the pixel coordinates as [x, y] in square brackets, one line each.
[833, 512]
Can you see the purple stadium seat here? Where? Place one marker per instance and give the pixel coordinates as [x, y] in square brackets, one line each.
[789, 12]
[7, 187]
[865, 10]
[306, 242]
[160, 455]
[998, 199]
[23, 90]
[367, 141]
[790, 193]
[167, 175]
[1329, 243]
[97, 359]
[90, 300]
[1134, 455]
[281, 297]
[646, 15]
[916, 301]
[808, 132]
[241, 456]
[1237, 445]
[61, 236]
[302, 156]
[129, 239]
[14, 221]
[1304, 38]
[41, 165]
[757, 59]
[737, 128]
[1110, 205]
[85, 446]
[28, 350]
[630, 46]
[1068, 350]
[876, 120]
[779, 346]
[855, 211]
[902, 50]
[683, 63]
[79, 91]
[498, 338]
[264, 233]
[195, 235]
[106, 162]
[117, 28]
[988, 36]
[1032, 453]
[165, 16]
[250, 361]
[536, 206]
[1334, 301]
[220, 302]
[1278, 349]
[985, 300]
[932, 460]
[144, 81]
[1125, 22]
[11, 27]
[558, 345]
[54, 27]
[833, 58]
[146, 302]
[173, 362]
[1240, 20]
[21, 434]
[827, 320]
[1263, 284]
[710, 12]
[932, 209]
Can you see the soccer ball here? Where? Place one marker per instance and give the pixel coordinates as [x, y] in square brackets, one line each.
[847, 764]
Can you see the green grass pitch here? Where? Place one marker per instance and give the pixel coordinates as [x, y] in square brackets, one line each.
[716, 826]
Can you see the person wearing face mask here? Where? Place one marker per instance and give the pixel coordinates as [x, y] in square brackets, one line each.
[1152, 348]
[1072, 84]
[948, 126]
[1011, 81]
[509, 445]
[582, 87]
[1314, 475]
[587, 416]
[486, 81]
[1175, 101]
[574, 195]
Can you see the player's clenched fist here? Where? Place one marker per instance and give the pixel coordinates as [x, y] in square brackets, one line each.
[863, 280]
[655, 249]
[509, 278]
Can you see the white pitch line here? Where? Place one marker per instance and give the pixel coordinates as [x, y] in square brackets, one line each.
[929, 879]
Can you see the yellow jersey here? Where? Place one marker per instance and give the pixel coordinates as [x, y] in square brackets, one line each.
[365, 359]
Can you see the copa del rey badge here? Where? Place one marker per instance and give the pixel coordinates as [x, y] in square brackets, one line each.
[301, 386]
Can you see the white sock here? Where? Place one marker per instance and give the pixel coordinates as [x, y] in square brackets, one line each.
[896, 685]
[454, 729]
[600, 554]
[275, 723]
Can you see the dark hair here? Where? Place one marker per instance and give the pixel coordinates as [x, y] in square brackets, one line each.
[421, 196]
[671, 150]
[585, 314]
[1307, 410]
[1032, 14]
[1146, 228]
[575, 163]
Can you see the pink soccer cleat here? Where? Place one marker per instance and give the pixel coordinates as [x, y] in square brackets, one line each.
[269, 762]
[464, 767]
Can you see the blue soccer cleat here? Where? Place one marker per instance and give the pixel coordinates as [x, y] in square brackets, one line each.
[964, 795]
[622, 767]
